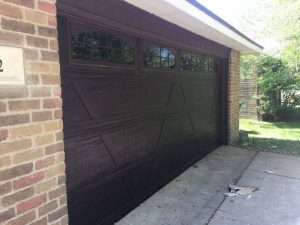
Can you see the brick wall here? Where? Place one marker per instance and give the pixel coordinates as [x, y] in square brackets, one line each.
[233, 96]
[32, 177]
[248, 92]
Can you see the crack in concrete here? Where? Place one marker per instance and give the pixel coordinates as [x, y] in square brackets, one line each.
[236, 181]
[275, 174]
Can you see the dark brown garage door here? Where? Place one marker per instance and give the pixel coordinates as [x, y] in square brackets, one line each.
[137, 112]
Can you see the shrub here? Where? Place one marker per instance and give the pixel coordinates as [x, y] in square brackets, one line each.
[278, 87]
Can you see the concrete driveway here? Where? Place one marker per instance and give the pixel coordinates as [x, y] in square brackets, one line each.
[196, 197]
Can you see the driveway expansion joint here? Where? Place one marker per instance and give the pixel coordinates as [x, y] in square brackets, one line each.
[236, 181]
[275, 174]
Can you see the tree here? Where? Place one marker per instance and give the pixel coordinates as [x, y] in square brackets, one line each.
[276, 22]
[278, 86]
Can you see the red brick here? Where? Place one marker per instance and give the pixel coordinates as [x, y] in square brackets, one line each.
[8, 147]
[58, 114]
[41, 116]
[63, 200]
[5, 188]
[59, 136]
[24, 105]
[27, 130]
[61, 180]
[47, 32]
[10, 120]
[51, 149]
[47, 7]
[42, 221]
[52, 21]
[58, 192]
[7, 215]
[57, 91]
[49, 56]
[5, 161]
[50, 79]
[2, 107]
[49, 207]
[11, 38]
[44, 162]
[24, 219]
[64, 220]
[57, 214]
[41, 92]
[17, 197]
[31, 203]
[54, 44]
[55, 125]
[17, 26]
[37, 42]
[15, 172]
[32, 79]
[38, 67]
[51, 103]
[26, 3]
[31, 54]
[45, 139]
[28, 180]
[56, 170]
[7, 10]
[3, 134]
[25, 156]
[13, 92]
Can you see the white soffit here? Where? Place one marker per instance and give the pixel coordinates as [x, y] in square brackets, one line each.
[188, 16]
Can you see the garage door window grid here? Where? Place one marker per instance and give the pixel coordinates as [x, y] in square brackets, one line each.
[102, 47]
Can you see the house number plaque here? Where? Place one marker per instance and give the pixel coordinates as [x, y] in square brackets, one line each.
[1, 70]
[11, 66]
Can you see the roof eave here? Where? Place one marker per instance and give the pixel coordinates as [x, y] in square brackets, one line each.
[194, 17]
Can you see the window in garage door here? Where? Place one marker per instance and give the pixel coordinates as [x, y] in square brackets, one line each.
[100, 46]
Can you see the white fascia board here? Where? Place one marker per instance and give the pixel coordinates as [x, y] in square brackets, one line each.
[187, 16]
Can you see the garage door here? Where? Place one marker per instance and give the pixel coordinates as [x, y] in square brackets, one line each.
[137, 112]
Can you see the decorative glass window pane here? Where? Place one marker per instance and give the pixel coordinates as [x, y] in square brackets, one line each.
[197, 63]
[101, 46]
[208, 64]
[200, 63]
[155, 62]
[158, 57]
[191, 62]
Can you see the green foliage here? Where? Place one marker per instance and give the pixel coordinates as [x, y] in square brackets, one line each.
[278, 86]
[276, 27]
[248, 66]
[291, 53]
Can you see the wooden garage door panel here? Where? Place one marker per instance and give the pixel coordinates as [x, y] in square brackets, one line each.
[199, 90]
[129, 144]
[95, 204]
[177, 95]
[71, 101]
[169, 162]
[89, 158]
[137, 179]
[122, 97]
[176, 128]
[201, 119]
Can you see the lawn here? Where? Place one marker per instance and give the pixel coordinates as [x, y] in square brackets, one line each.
[281, 137]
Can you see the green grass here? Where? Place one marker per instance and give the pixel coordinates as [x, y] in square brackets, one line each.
[281, 137]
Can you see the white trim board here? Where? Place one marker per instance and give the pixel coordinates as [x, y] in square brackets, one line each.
[189, 17]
